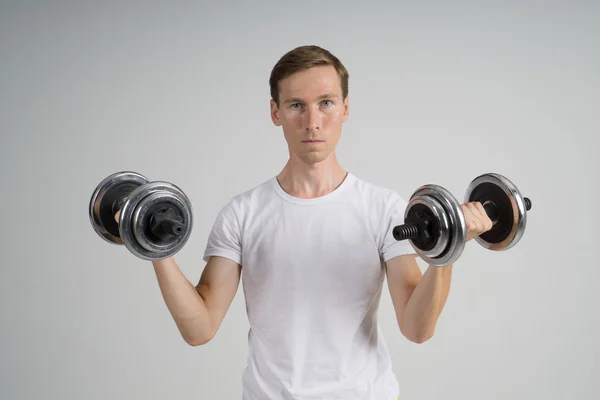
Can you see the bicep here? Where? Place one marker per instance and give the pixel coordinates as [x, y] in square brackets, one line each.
[403, 275]
[218, 285]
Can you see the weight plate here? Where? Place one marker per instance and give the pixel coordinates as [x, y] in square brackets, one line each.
[440, 228]
[142, 221]
[134, 216]
[457, 232]
[104, 199]
[512, 214]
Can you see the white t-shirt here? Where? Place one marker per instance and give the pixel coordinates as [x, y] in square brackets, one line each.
[312, 275]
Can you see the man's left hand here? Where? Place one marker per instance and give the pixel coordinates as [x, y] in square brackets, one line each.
[476, 219]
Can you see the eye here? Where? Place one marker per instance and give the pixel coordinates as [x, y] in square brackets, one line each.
[327, 101]
[296, 105]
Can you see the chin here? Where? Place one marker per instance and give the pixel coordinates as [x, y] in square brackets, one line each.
[314, 157]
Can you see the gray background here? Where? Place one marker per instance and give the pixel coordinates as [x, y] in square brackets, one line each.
[178, 91]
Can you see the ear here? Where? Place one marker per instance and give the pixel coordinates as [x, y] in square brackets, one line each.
[346, 109]
[275, 113]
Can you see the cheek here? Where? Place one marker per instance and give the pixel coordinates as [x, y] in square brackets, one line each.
[286, 123]
[291, 119]
[335, 114]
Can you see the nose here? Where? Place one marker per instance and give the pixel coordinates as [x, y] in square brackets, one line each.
[313, 119]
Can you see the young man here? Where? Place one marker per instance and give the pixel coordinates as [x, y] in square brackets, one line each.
[313, 245]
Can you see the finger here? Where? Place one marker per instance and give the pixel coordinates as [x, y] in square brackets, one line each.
[479, 206]
[470, 222]
[470, 218]
[467, 210]
[480, 212]
[473, 207]
[478, 217]
[487, 222]
[472, 210]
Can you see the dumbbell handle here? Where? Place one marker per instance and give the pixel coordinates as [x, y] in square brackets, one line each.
[413, 231]
[167, 226]
[166, 223]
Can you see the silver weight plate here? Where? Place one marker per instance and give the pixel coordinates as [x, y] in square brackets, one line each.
[457, 237]
[102, 197]
[142, 215]
[441, 216]
[518, 206]
[132, 214]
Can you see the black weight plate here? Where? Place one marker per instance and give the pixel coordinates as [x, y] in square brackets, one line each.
[510, 204]
[456, 232]
[104, 200]
[435, 241]
[503, 227]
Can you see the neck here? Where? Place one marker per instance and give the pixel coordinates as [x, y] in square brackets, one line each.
[310, 180]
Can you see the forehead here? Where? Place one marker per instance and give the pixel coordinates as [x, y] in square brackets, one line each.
[311, 82]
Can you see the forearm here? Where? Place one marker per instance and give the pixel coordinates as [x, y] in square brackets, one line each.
[426, 303]
[184, 302]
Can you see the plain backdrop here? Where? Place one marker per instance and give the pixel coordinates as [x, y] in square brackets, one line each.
[178, 91]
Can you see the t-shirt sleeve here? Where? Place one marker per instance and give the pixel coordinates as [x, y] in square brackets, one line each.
[224, 239]
[394, 215]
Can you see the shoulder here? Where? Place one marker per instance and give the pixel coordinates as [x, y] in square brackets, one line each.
[248, 198]
[385, 209]
[378, 195]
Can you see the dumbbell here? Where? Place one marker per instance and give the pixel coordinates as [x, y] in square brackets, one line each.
[156, 217]
[436, 228]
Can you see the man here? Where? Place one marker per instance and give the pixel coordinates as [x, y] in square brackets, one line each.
[313, 246]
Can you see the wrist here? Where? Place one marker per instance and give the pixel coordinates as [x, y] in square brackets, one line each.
[440, 271]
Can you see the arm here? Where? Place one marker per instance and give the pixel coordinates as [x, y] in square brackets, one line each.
[418, 299]
[198, 311]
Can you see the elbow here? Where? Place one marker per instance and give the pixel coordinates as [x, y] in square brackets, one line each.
[421, 338]
[196, 338]
[418, 336]
[195, 341]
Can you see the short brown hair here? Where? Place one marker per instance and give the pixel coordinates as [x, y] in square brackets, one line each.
[302, 58]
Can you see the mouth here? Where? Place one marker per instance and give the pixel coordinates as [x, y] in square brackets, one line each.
[312, 141]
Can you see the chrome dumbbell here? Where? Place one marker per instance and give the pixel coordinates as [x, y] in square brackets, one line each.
[155, 219]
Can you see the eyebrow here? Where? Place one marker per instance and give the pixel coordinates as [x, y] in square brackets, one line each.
[298, 100]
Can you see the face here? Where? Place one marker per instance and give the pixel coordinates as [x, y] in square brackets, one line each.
[311, 113]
